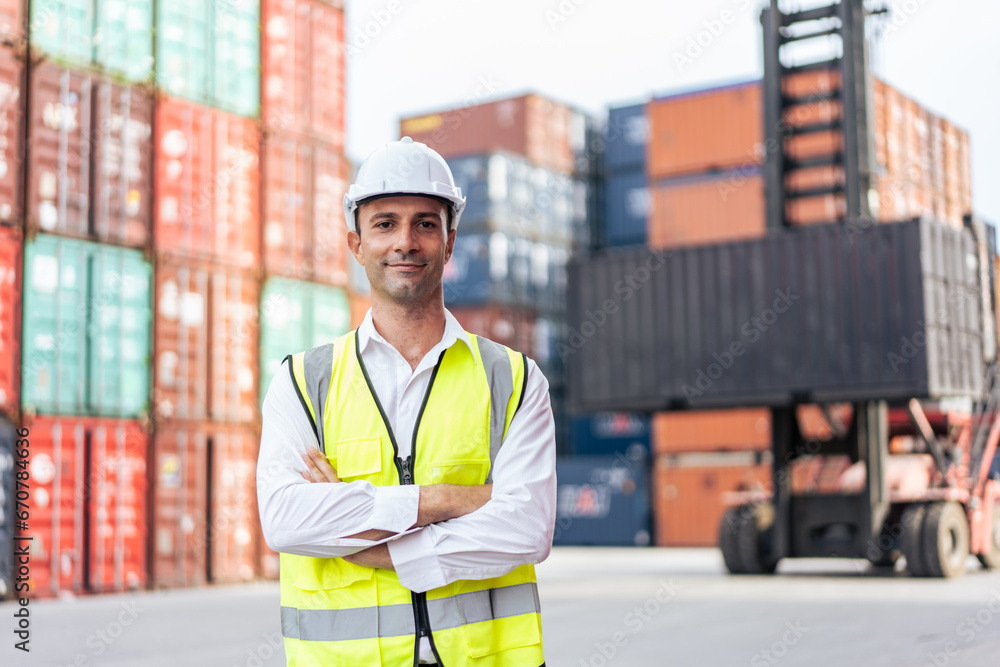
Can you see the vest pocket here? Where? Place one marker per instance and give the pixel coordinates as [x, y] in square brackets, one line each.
[358, 457]
[458, 471]
[319, 574]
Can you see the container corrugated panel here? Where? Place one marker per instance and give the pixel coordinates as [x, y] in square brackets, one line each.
[303, 68]
[123, 37]
[183, 49]
[10, 320]
[86, 314]
[756, 323]
[235, 45]
[205, 342]
[602, 501]
[12, 26]
[708, 209]
[88, 505]
[611, 433]
[11, 72]
[8, 567]
[206, 201]
[531, 126]
[627, 206]
[296, 316]
[716, 129]
[626, 138]
[688, 494]
[303, 183]
[513, 327]
[711, 430]
[64, 28]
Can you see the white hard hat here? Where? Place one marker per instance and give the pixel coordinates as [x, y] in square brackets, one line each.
[404, 167]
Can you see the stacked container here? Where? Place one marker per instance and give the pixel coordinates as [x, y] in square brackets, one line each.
[308, 296]
[84, 353]
[207, 250]
[626, 195]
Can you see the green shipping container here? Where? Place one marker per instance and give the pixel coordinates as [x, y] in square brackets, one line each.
[296, 316]
[115, 36]
[86, 330]
[209, 52]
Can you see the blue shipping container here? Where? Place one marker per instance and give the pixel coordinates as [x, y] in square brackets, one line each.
[626, 138]
[627, 203]
[602, 501]
[610, 433]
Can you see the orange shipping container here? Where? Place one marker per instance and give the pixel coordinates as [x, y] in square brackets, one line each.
[204, 505]
[697, 211]
[513, 327]
[207, 183]
[541, 130]
[704, 131]
[205, 342]
[88, 505]
[711, 430]
[12, 21]
[359, 304]
[11, 73]
[10, 319]
[688, 494]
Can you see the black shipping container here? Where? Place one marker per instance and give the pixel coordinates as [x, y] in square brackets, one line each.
[602, 501]
[7, 501]
[815, 314]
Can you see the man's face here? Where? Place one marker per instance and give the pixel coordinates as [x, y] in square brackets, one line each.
[403, 246]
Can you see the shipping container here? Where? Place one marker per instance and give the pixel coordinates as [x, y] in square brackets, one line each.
[359, 305]
[689, 493]
[204, 504]
[91, 149]
[64, 29]
[602, 501]
[755, 323]
[303, 69]
[11, 77]
[611, 433]
[206, 203]
[8, 452]
[303, 185]
[10, 320]
[208, 52]
[12, 28]
[86, 329]
[88, 522]
[296, 316]
[205, 342]
[513, 327]
[742, 429]
[628, 203]
[532, 126]
[626, 138]
[705, 130]
[707, 209]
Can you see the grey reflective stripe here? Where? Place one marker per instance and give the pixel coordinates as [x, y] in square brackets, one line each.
[479, 606]
[333, 625]
[496, 363]
[317, 364]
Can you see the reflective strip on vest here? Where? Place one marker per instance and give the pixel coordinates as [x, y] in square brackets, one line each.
[397, 620]
[496, 362]
[317, 366]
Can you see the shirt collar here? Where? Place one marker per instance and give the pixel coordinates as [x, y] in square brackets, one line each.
[453, 332]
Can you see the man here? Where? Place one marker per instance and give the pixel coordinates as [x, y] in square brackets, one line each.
[407, 470]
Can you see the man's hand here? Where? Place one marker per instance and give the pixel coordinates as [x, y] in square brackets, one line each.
[318, 468]
[376, 556]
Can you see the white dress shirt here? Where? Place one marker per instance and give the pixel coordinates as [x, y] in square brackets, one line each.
[312, 519]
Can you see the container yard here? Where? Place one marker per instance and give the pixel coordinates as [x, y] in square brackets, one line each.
[757, 267]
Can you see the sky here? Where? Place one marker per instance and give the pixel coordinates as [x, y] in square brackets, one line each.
[406, 57]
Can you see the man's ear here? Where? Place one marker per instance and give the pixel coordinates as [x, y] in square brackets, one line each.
[449, 246]
[354, 244]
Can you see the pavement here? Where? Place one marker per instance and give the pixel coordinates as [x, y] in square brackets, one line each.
[601, 607]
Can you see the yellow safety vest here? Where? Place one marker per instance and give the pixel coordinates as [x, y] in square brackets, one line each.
[336, 613]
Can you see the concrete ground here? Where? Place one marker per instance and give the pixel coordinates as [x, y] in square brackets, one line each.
[601, 607]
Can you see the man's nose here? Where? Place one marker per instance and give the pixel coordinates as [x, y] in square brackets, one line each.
[406, 239]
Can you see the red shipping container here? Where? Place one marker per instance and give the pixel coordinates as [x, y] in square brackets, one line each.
[303, 69]
[10, 319]
[207, 183]
[12, 21]
[709, 210]
[205, 342]
[689, 494]
[11, 77]
[88, 505]
[878, 111]
[204, 505]
[76, 117]
[513, 327]
[305, 236]
[531, 125]
[711, 430]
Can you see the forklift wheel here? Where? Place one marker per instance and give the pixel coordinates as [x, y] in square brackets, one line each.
[729, 532]
[991, 559]
[749, 539]
[946, 539]
[911, 542]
